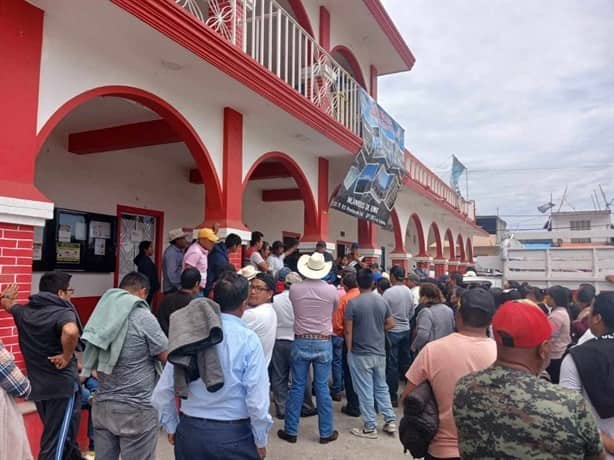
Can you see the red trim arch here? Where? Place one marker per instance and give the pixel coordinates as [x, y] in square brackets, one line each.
[301, 15]
[399, 246]
[213, 196]
[461, 246]
[423, 252]
[439, 243]
[451, 245]
[353, 62]
[311, 211]
[469, 250]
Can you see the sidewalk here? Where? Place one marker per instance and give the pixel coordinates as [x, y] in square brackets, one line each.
[308, 448]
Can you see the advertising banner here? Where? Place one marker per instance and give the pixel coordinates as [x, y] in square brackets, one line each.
[372, 183]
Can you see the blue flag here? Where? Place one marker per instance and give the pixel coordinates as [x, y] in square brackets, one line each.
[457, 170]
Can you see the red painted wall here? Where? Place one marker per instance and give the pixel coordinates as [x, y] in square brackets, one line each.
[21, 35]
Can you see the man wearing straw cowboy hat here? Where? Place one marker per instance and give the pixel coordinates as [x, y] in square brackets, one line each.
[313, 301]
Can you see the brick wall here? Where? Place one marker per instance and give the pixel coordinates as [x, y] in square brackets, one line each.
[15, 267]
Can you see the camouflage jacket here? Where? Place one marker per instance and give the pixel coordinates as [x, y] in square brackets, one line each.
[504, 413]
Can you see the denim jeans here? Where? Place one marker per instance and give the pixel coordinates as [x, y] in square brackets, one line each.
[397, 361]
[306, 352]
[337, 364]
[197, 439]
[369, 379]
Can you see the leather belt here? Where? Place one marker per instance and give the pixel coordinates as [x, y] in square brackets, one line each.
[312, 337]
[231, 422]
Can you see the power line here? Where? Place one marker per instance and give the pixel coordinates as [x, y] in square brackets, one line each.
[544, 169]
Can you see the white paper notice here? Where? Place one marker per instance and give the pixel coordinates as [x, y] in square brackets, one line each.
[99, 247]
[136, 236]
[64, 232]
[80, 231]
[38, 234]
[37, 251]
[100, 229]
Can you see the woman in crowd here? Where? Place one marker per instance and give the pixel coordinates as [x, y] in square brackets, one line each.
[558, 301]
[435, 320]
[258, 258]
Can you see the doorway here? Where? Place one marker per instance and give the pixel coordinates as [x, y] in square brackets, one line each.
[136, 225]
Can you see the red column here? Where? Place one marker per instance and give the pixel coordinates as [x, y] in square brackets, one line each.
[318, 230]
[229, 216]
[399, 259]
[324, 28]
[373, 81]
[21, 35]
[441, 266]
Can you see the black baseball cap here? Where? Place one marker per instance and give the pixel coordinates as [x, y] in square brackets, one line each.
[479, 299]
[398, 272]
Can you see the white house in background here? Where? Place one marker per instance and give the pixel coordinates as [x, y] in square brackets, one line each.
[586, 228]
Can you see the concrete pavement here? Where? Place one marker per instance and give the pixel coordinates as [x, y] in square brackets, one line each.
[349, 447]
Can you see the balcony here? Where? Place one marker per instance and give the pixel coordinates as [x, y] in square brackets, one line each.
[421, 175]
[267, 33]
[271, 36]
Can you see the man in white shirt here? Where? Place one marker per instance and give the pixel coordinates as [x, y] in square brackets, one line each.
[275, 260]
[588, 368]
[261, 317]
[279, 369]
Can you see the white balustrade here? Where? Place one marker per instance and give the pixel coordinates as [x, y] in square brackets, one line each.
[271, 36]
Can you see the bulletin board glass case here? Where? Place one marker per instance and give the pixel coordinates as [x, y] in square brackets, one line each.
[76, 241]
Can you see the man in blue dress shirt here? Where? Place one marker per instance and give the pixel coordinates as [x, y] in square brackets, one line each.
[233, 422]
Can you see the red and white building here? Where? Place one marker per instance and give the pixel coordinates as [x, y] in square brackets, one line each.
[170, 114]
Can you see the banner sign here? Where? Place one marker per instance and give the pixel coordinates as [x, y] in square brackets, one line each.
[370, 187]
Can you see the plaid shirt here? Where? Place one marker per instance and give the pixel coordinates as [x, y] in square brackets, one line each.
[11, 379]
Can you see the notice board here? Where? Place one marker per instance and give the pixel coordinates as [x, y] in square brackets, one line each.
[76, 241]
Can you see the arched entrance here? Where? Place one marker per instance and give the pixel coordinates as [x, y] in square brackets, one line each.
[450, 247]
[344, 56]
[265, 195]
[434, 243]
[117, 161]
[460, 248]
[469, 250]
[414, 238]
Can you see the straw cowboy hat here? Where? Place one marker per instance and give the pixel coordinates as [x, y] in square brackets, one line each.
[314, 266]
[249, 272]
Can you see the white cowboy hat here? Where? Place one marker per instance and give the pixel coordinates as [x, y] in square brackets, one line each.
[314, 266]
[249, 272]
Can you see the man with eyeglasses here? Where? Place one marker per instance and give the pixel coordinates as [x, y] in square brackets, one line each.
[260, 317]
[49, 331]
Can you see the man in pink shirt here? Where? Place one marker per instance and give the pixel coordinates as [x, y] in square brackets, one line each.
[196, 254]
[443, 362]
[313, 302]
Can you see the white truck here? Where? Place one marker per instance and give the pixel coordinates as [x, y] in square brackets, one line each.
[567, 267]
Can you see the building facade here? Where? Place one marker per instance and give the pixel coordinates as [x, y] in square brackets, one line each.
[131, 117]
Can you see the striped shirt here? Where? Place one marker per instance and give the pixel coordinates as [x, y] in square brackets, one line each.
[11, 379]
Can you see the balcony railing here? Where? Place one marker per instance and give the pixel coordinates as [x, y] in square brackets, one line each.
[419, 173]
[271, 36]
[266, 32]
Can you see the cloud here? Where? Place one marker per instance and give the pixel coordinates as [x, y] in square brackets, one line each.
[521, 91]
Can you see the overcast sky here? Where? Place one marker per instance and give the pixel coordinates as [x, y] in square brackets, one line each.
[521, 91]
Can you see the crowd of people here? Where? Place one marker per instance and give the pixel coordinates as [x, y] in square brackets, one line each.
[520, 372]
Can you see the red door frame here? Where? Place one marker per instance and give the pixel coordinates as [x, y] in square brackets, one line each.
[159, 215]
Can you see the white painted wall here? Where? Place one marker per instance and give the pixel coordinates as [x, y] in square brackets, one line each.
[272, 218]
[151, 178]
[259, 139]
[342, 34]
[73, 62]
